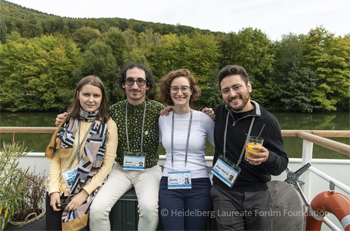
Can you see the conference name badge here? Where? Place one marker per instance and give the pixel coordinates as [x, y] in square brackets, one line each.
[179, 180]
[134, 161]
[69, 177]
[226, 171]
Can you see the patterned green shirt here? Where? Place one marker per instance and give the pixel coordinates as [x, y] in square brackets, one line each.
[135, 116]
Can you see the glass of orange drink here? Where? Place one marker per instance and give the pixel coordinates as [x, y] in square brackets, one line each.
[251, 142]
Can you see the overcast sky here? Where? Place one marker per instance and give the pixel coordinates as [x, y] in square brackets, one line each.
[273, 17]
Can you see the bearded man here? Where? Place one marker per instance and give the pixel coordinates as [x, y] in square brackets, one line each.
[236, 118]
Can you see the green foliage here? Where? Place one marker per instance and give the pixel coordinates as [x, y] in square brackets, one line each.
[211, 96]
[165, 56]
[131, 38]
[199, 54]
[254, 51]
[12, 180]
[85, 35]
[147, 40]
[117, 41]
[13, 36]
[135, 56]
[14, 14]
[292, 81]
[38, 72]
[227, 48]
[328, 58]
[33, 197]
[99, 61]
[3, 32]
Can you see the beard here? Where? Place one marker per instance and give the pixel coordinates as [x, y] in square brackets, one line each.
[244, 100]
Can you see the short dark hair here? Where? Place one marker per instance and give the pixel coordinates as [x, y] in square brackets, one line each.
[103, 112]
[233, 70]
[148, 73]
[165, 83]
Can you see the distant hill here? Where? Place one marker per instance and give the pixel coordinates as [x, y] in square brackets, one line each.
[33, 23]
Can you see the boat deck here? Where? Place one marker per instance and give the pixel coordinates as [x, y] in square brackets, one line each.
[317, 179]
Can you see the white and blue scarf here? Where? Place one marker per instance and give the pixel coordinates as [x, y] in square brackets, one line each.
[89, 164]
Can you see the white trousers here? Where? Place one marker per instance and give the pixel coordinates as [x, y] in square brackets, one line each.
[146, 184]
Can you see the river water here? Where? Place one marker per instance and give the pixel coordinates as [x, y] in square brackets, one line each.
[288, 121]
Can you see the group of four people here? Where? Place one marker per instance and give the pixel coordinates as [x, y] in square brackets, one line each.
[93, 142]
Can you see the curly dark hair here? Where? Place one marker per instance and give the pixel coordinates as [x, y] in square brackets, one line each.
[233, 70]
[165, 83]
[148, 73]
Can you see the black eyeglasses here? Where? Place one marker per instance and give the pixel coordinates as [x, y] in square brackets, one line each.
[140, 82]
[184, 89]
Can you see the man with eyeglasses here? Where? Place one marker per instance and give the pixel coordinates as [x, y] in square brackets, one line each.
[138, 140]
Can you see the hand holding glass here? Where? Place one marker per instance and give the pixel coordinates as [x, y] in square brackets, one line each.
[251, 142]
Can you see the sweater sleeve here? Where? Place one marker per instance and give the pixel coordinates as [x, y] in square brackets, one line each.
[53, 180]
[277, 161]
[111, 150]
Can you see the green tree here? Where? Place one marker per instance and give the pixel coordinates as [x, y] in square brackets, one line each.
[49, 25]
[37, 73]
[131, 38]
[292, 82]
[136, 57]
[328, 57]
[37, 29]
[84, 35]
[3, 32]
[63, 71]
[254, 51]
[92, 24]
[147, 40]
[16, 65]
[13, 36]
[65, 31]
[227, 48]
[26, 28]
[345, 103]
[199, 53]
[165, 56]
[117, 41]
[99, 61]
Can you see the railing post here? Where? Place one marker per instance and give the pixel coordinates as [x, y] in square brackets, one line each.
[307, 158]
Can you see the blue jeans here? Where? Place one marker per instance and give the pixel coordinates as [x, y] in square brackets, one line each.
[185, 209]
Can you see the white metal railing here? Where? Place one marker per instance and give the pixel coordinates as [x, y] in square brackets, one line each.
[307, 153]
[324, 176]
[330, 224]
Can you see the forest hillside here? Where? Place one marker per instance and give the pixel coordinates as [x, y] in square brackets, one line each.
[42, 56]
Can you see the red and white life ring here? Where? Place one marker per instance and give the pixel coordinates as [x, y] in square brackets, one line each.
[335, 203]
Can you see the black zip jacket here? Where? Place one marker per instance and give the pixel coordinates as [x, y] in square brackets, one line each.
[252, 178]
